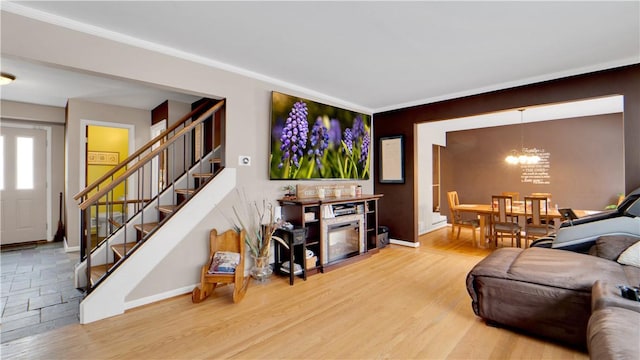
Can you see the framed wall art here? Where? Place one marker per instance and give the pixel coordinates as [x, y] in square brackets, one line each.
[311, 141]
[103, 158]
[392, 159]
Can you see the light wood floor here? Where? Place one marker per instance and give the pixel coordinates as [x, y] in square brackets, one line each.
[401, 303]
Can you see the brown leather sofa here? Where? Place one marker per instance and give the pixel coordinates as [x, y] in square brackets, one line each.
[548, 293]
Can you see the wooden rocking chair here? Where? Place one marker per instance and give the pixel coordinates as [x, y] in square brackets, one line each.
[229, 241]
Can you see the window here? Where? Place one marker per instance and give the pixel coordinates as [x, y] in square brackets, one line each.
[24, 163]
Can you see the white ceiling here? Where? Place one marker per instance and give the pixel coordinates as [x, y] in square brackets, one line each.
[373, 55]
[45, 85]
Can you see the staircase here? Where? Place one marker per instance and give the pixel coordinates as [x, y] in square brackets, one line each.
[114, 229]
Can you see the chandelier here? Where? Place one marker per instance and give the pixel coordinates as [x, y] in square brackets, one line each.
[515, 157]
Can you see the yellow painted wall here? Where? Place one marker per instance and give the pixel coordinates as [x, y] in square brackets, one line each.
[110, 139]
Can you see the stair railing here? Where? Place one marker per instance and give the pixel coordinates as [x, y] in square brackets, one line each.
[123, 196]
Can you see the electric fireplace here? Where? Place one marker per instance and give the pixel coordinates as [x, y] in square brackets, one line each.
[342, 237]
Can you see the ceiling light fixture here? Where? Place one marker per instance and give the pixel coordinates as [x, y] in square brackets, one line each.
[521, 157]
[6, 78]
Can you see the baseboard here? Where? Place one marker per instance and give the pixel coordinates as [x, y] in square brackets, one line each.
[158, 297]
[404, 243]
[70, 248]
[438, 227]
[22, 245]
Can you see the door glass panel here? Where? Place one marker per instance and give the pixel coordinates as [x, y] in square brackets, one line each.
[2, 163]
[24, 163]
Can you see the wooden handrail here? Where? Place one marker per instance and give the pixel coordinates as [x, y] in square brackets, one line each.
[84, 205]
[142, 149]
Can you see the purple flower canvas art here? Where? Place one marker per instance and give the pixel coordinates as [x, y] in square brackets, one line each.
[310, 140]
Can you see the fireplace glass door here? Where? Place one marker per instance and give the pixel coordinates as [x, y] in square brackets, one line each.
[343, 240]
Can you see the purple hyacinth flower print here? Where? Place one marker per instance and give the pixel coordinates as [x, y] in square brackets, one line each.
[364, 148]
[294, 135]
[277, 127]
[358, 127]
[335, 133]
[348, 140]
[319, 141]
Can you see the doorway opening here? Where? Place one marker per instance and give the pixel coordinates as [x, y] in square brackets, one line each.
[105, 146]
[435, 133]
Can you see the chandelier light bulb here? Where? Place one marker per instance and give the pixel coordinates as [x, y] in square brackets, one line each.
[511, 159]
[520, 157]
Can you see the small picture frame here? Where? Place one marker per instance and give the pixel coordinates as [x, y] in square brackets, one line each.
[109, 158]
[392, 159]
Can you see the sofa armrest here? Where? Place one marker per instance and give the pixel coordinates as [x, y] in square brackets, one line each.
[605, 294]
[613, 333]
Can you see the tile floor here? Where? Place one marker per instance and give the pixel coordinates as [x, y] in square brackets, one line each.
[37, 291]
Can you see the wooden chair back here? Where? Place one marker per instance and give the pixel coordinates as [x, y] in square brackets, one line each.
[502, 208]
[228, 241]
[452, 197]
[542, 194]
[502, 219]
[545, 195]
[536, 210]
[515, 195]
[456, 216]
[536, 213]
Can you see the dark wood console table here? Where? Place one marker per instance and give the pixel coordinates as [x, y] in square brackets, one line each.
[314, 214]
[295, 239]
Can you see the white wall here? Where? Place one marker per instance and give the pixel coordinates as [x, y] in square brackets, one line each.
[427, 136]
[248, 100]
[77, 111]
[247, 109]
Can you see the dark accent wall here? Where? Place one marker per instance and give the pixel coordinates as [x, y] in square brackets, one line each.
[472, 163]
[398, 209]
[160, 112]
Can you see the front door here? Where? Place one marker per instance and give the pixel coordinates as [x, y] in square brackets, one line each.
[23, 185]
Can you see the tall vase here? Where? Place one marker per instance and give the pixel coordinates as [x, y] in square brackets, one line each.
[261, 269]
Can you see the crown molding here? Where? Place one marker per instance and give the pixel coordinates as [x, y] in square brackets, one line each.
[74, 25]
[510, 84]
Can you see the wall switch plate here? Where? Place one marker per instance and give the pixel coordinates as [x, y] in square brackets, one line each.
[244, 160]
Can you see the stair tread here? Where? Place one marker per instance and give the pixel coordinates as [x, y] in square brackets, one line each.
[98, 271]
[202, 175]
[185, 191]
[216, 160]
[122, 249]
[167, 208]
[146, 227]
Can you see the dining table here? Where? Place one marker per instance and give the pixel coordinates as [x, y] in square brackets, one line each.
[484, 214]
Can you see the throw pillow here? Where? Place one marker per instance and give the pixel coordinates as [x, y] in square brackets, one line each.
[611, 246]
[631, 256]
[224, 262]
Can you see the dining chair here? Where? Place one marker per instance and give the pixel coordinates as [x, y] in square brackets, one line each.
[538, 224]
[502, 221]
[547, 201]
[515, 195]
[457, 221]
[542, 194]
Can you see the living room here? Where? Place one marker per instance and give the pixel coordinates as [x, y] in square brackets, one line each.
[248, 104]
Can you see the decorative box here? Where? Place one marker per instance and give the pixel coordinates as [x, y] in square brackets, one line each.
[311, 262]
[310, 216]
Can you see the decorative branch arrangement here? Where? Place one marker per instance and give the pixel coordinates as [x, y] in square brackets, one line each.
[258, 220]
